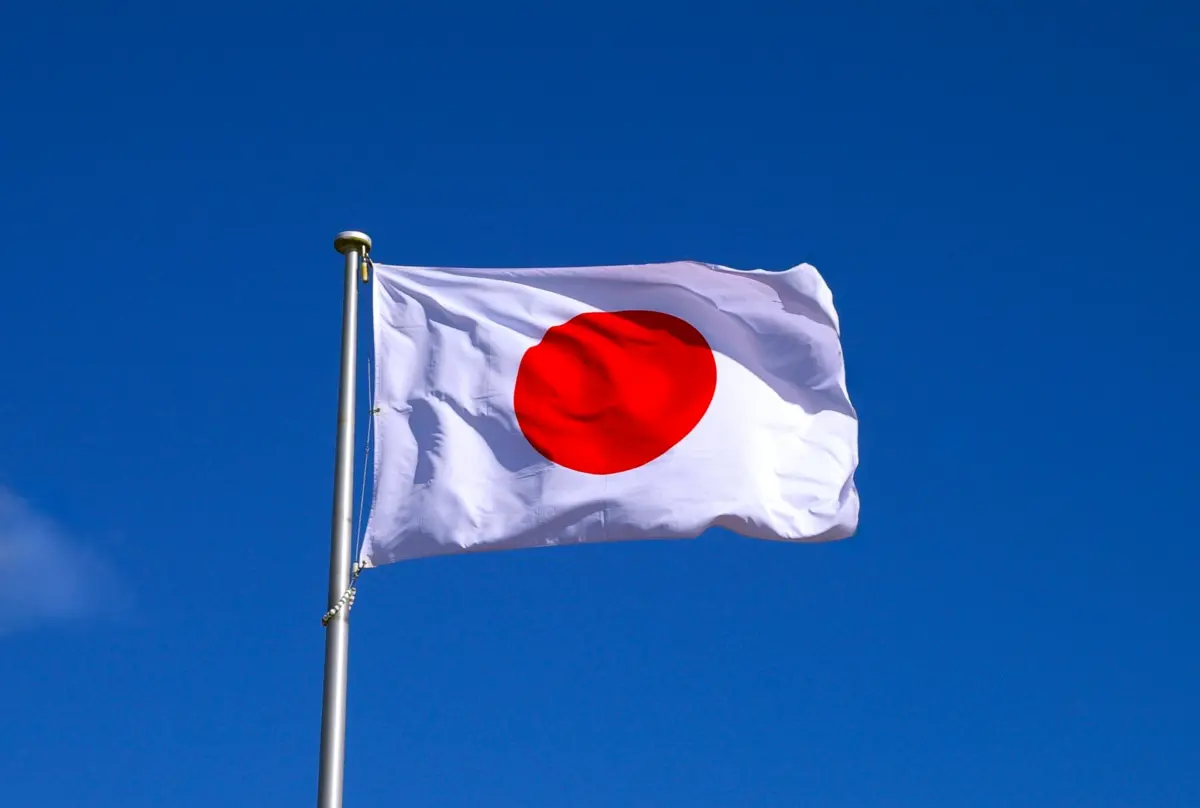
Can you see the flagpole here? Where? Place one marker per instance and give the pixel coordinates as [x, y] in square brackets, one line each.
[354, 246]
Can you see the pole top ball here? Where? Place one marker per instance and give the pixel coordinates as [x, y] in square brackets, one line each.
[350, 239]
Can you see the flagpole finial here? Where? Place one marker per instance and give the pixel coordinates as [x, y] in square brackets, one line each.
[349, 239]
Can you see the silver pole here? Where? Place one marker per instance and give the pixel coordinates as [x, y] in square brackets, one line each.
[354, 246]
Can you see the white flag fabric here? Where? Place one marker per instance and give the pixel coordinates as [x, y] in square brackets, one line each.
[534, 407]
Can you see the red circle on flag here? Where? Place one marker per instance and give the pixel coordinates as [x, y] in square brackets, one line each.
[607, 392]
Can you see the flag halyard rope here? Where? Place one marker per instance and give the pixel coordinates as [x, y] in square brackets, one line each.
[346, 601]
[362, 494]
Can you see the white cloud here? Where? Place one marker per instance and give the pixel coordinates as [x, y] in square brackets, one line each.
[45, 575]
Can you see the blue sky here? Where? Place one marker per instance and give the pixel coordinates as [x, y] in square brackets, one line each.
[1003, 197]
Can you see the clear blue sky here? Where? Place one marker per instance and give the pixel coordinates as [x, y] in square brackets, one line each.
[1004, 198]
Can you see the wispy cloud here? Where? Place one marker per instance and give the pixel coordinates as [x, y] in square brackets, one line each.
[46, 576]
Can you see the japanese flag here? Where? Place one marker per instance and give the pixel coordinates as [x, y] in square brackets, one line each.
[533, 407]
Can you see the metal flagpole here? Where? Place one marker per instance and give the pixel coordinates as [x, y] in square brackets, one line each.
[354, 246]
